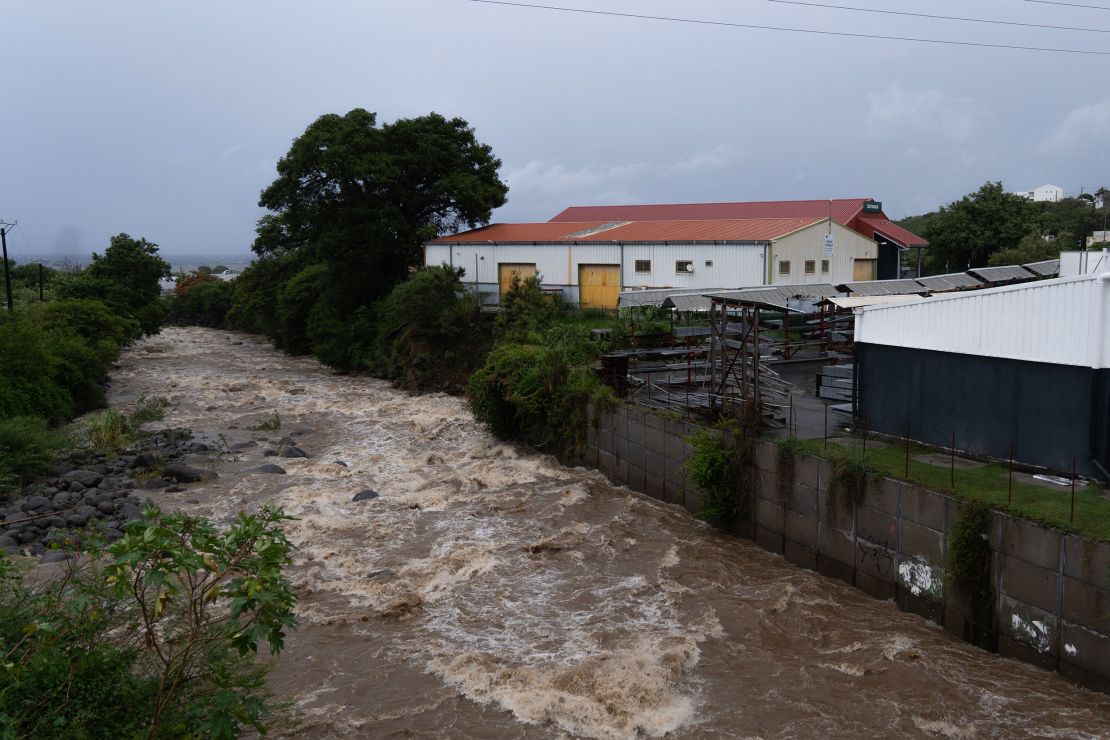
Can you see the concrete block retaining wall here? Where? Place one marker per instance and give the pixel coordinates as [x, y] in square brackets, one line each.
[1051, 590]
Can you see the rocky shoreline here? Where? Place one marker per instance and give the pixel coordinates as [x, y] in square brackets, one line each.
[90, 493]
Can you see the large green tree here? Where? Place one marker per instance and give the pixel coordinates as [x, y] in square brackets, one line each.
[363, 198]
[965, 233]
[125, 278]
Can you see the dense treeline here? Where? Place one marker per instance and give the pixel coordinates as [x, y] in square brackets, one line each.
[339, 276]
[993, 227]
[155, 634]
[55, 355]
[340, 250]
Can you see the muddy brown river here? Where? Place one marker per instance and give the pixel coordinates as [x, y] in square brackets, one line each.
[491, 592]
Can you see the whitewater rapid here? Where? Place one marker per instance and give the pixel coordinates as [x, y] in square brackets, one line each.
[489, 591]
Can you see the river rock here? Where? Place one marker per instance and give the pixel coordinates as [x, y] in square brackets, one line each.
[293, 452]
[38, 504]
[106, 507]
[184, 473]
[87, 478]
[144, 461]
[287, 441]
[365, 495]
[269, 468]
[7, 541]
[76, 486]
[174, 489]
[240, 446]
[54, 556]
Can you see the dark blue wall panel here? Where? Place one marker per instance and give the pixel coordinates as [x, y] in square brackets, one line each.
[1049, 413]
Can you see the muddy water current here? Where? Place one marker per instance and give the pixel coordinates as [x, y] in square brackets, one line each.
[491, 592]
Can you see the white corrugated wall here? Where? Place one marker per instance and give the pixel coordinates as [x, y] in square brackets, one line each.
[1064, 321]
[733, 265]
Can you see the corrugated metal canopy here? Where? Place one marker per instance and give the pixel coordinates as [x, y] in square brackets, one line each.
[954, 281]
[687, 302]
[1002, 274]
[883, 287]
[655, 297]
[871, 300]
[806, 290]
[1047, 268]
[769, 299]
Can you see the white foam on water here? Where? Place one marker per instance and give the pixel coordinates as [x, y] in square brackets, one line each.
[626, 692]
[941, 728]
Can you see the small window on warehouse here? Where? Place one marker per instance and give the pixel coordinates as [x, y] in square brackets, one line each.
[784, 267]
[824, 267]
[811, 267]
[643, 265]
[684, 266]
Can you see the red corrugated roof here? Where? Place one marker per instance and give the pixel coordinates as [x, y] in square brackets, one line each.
[545, 232]
[845, 211]
[737, 230]
[884, 226]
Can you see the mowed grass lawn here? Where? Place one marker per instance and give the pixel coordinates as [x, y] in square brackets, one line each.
[989, 484]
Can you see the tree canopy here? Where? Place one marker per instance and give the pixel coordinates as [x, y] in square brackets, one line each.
[991, 226]
[965, 233]
[363, 198]
[125, 278]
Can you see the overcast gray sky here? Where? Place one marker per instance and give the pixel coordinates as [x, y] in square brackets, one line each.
[165, 119]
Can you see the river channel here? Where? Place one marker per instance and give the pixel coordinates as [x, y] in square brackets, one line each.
[489, 591]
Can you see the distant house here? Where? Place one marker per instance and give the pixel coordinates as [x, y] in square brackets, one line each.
[1050, 193]
[590, 262]
[591, 253]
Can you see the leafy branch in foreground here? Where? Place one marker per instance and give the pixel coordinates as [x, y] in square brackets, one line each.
[153, 636]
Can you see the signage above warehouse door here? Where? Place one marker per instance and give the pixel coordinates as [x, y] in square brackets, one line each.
[873, 206]
[829, 242]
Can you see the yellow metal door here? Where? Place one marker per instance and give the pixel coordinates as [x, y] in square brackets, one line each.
[599, 286]
[863, 270]
[505, 272]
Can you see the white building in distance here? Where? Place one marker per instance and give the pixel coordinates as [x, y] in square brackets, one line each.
[1051, 193]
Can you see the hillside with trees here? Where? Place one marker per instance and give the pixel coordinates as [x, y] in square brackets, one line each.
[994, 227]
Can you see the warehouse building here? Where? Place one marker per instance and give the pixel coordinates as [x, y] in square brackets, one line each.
[1023, 365]
[591, 261]
[862, 215]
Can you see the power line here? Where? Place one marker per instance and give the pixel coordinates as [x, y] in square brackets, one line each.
[940, 17]
[1070, 5]
[813, 31]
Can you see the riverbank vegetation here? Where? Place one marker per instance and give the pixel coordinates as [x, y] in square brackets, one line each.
[151, 632]
[55, 355]
[151, 636]
[988, 483]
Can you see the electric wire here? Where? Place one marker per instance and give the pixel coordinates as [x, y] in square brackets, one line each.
[940, 17]
[787, 29]
[1070, 5]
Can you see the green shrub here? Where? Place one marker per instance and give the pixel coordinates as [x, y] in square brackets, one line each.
[155, 635]
[254, 294]
[204, 303]
[534, 394]
[430, 331]
[27, 448]
[295, 301]
[271, 424]
[148, 409]
[525, 310]
[716, 467]
[109, 431]
[967, 562]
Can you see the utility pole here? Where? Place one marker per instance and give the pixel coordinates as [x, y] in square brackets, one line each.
[4, 226]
